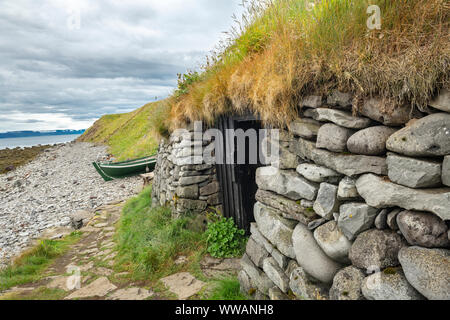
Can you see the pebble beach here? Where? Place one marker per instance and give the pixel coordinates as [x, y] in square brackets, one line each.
[45, 193]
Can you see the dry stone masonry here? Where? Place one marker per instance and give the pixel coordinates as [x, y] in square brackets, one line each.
[365, 212]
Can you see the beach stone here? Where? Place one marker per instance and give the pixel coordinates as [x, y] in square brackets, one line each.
[257, 277]
[275, 294]
[275, 228]
[312, 102]
[285, 183]
[333, 242]
[131, 294]
[347, 284]
[79, 219]
[311, 257]
[289, 209]
[428, 271]
[186, 181]
[442, 101]
[318, 174]
[341, 118]
[256, 252]
[183, 285]
[423, 229]
[429, 136]
[189, 192]
[349, 165]
[347, 189]
[274, 272]
[333, 137]
[392, 219]
[99, 288]
[210, 189]
[390, 285]
[305, 128]
[413, 173]
[304, 286]
[378, 110]
[376, 249]
[340, 99]
[370, 141]
[446, 171]
[380, 193]
[355, 218]
[381, 220]
[327, 203]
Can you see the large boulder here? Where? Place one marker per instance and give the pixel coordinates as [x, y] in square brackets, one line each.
[305, 128]
[333, 242]
[423, 229]
[327, 203]
[286, 183]
[389, 285]
[318, 174]
[355, 218]
[346, 164]
[429, 136]
[387, 114]
[370, 141]
[413, 173]
[446, 171]
[347, 284]
[333, 137]
[311, 257]
[341, 118]
[275, 228]
[380, 193]
[428, 271]
[442, 101]
[376, 249]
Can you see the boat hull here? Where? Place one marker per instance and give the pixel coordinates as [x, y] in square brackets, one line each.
[111, 171]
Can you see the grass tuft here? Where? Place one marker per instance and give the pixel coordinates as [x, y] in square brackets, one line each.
[227, 289]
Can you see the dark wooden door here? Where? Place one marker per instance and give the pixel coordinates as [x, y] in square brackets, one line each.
[238, 181]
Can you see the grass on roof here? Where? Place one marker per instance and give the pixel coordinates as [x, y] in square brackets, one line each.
[283, 50]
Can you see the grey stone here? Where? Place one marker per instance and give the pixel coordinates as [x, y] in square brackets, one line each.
[376, 249]
[274, 272]
[306, 287]
[349, 165]
[305, 128]
[377, 110]
[423, 229]
[333, 242]
[259, 238]
[318, 174]
[188, 192]
[428, 271]
[186, 181]
[285, 183]
[341, 118]
[390, 285]
[214, 199]
[280, 258]
[347, 189]
[313, 225]
[285, 160]
[446, 171]
[256, 252]
[347, 284]
[333, 137]
[289, 209]
[275, 294]
[246, 285]
[355, 218]
[429, 136]
[381, 220]
[392, 219]
[442, 101]
[413, 173]
[311, 102]
[340, 99]
[80, 219]
[259, 296]
[191, 205]
[382, 194]
[311, 257]
[210, 189]
[256, 275]
[370, 141]
[276, 229]
[327, 203]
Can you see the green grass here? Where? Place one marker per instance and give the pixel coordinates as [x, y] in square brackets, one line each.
[42, 293]
[32, 264]
[150, 239]
[226, 289]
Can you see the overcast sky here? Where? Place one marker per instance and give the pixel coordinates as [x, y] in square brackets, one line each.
[65, 63]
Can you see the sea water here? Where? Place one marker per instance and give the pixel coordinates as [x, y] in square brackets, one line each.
[34, 141]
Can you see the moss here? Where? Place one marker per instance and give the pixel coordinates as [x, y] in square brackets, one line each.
[390, 271]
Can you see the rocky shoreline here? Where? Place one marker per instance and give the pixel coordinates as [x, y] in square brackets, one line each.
[46, 192]
[10, 159]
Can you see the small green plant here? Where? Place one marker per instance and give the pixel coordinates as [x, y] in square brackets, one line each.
[186, 80]
[224, 239]
[227, 289]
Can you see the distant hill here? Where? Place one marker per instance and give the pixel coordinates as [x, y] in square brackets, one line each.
[24, 134]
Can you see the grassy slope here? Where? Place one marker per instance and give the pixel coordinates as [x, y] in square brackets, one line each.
[127, 135]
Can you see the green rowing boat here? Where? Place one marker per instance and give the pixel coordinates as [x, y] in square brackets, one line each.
[117, 170]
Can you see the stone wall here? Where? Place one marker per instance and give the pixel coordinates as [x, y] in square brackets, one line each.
[183, 180]
[356, 208]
